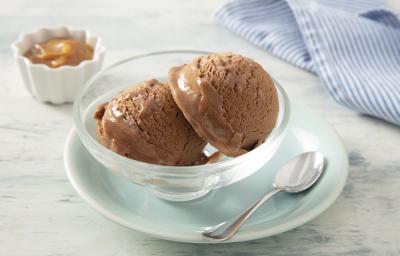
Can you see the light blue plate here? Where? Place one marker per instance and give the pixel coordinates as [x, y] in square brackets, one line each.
[133, 206]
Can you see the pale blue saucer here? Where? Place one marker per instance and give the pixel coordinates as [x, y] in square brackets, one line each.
[133, 206]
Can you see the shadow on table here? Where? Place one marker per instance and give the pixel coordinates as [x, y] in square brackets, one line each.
[305, 240]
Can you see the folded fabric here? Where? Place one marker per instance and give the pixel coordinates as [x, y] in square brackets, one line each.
[353, 46]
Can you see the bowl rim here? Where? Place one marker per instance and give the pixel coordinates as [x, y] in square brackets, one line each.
[148, 168]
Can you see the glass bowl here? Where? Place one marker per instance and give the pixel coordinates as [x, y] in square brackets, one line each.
[176, 183]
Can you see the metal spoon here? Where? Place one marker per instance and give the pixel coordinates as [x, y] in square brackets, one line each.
[297, 175]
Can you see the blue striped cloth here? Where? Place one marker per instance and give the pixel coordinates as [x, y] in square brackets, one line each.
[353, 46]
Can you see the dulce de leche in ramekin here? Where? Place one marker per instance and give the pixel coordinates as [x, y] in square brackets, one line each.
[56, 62]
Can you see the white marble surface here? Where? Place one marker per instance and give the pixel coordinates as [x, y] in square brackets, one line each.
[41, 214]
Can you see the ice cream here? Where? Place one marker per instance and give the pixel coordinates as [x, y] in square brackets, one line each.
[144, 123]
[230, 100]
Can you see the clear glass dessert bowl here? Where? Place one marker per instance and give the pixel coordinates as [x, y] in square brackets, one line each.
[175, 183]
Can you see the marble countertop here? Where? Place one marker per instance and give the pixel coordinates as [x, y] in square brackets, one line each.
[41, 214]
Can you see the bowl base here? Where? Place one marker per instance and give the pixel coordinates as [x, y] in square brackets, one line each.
[179, 197]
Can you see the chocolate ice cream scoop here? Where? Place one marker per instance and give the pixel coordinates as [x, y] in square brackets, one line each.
[144, 123]
[230, 100]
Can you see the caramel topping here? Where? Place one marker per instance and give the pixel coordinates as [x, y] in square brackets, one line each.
[60, 51]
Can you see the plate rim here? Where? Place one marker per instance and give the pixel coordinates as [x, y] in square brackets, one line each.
[241, 236]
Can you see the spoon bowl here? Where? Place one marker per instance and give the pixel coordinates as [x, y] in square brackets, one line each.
[300, 173]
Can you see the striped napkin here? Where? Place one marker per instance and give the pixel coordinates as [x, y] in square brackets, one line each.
[353, 46]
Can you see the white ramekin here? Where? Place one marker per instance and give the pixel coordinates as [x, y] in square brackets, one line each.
[56, 85]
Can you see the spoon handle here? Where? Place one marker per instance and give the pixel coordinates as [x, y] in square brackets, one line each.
[228, 229]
